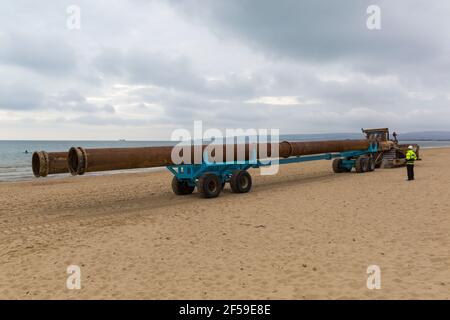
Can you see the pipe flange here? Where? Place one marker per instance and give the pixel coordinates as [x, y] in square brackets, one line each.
[78, 167]
[83, 161]
[291, 148]
[40, 162]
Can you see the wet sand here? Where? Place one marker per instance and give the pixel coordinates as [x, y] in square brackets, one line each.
[305, 233]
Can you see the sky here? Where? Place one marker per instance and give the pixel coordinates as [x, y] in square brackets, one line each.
[139, 70]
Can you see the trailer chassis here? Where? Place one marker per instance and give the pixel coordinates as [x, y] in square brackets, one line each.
[211, 177]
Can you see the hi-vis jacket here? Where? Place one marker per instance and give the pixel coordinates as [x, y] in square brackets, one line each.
[410, 157]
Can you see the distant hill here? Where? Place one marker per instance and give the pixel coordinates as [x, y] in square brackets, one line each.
[321, 136]
[425, 135]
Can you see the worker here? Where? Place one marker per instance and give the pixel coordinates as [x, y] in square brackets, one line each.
[395, 137]
[411, 157]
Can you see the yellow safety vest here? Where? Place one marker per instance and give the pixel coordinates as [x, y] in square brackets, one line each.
[410, 157]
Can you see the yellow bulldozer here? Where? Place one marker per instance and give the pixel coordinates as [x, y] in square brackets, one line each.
[391, 153]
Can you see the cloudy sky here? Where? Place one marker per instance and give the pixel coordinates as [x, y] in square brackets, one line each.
[140, 69]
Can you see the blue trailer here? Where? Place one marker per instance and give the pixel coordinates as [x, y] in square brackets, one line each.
[209, 177]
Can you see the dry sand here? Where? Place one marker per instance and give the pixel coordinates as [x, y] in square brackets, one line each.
[305, 233]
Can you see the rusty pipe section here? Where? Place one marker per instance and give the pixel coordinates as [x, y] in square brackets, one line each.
[303, 148]
[82, 160]
[45, 163]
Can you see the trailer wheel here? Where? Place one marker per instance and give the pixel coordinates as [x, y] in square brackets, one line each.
[181, 187]
[209, 185]
[241, 181]
[360, 165]
[337, 166]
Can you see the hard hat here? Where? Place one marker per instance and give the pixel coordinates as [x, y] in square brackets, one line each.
[411, 148]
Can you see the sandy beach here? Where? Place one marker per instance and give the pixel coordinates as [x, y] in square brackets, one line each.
[305, 233]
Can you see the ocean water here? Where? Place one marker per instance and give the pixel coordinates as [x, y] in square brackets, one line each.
[15, 156]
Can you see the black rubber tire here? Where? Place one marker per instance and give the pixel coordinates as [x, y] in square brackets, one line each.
[209, 185]
[241, 181]
[337, 168]
[181, 187]
[359, 165]
[371, 164]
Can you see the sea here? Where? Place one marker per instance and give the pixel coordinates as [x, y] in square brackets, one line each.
[15, 155]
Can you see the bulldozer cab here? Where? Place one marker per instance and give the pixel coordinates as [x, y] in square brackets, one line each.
[380, 134]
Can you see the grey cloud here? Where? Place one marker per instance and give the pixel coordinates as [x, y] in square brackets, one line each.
[142, 67]
[71, 96]
[20, 97]
[358, 92]
[108, 108]
[321, 30]
[173, 72]
[185, 107]
[234, 86]
[73, 101]
[46, 55]
[412, 42]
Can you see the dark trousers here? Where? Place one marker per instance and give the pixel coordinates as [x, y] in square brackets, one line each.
[410, 169]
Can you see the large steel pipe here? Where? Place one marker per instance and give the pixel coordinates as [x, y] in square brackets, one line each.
[82, 160]
[45, 163]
